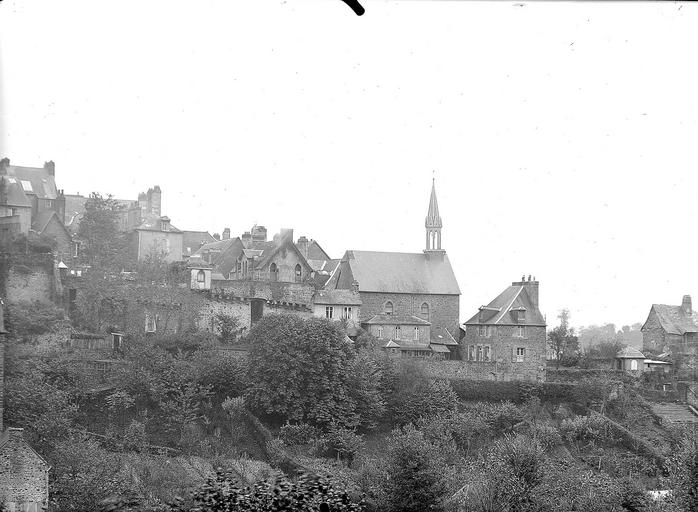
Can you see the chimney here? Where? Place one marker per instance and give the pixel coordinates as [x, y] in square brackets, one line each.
[4, 164]
[259, 233]
[302, 245]
[155, 200]
[217, 236]
[286, 233]
[686, 305]
[355, 286]
[246, 238]
[226, 234]
[50, 167]
[531, 286]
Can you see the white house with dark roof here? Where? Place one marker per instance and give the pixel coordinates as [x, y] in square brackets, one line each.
[411, 290]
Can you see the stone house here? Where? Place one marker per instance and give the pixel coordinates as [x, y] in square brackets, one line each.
[157, 235]
[508, 335]
[337, 305]
[417, 288]
[672, 330]
[23, 472]
[630, 359]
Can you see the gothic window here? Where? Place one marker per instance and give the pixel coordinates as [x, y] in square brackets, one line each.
[425, 311]
[274, 272]
[298, 273]
[388, 308]
[200, 276]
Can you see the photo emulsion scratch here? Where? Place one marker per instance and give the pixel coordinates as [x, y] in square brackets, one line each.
[342, 256]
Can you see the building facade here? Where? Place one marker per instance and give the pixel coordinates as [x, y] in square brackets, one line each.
[508, 335]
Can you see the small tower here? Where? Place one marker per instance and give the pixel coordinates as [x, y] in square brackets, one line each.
[433, 226]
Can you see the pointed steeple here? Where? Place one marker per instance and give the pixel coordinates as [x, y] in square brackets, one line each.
[433, 219]
[433, 224]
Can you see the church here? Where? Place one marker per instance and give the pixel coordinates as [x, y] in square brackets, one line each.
[409, 300]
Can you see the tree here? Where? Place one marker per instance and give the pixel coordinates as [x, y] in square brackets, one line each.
[299, 370]
[562, 339]
[228, 327]
[103, 245]
[416, 474]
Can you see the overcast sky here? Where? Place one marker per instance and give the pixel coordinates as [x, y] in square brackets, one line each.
[563, 136]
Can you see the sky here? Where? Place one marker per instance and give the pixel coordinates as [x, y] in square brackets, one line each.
[562, 135]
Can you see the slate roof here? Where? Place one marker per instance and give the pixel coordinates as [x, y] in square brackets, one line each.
[15, 192]
[337, 297]
[384, 319]
[674, 320]
[630, 353]
[442, 349]
[442, 336]
[153, 223]
[395, 272]
[194, 240]
[43, 185]
[315, 252]
[500, 309]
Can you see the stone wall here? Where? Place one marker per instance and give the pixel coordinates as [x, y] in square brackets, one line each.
[23, 474]
[30, 278]
[470, 370]
[503, 346]
[443, 309]
[653, 336]
[298, 293]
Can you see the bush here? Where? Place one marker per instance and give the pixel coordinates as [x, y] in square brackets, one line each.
[516, 392]
[25, 318]
[339, 442]
[594, 428]
[298, 433]
[546, 435]
[500, 418]
[426, 398]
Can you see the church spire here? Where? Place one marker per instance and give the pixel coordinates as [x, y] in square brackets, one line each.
[433, 223]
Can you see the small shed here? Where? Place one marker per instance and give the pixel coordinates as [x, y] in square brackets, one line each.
[630, 359]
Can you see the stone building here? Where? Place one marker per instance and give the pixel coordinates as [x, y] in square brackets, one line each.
[406, 297]
[672, 331]
[508, 335]
[23, 472]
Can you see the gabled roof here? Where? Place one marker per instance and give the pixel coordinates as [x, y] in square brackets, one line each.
[194, 240]
[630, 353]
[674, 320]
[442, 349]
[384, 319]
[391, 344]
[16, 435]
[512, 299]
[395, 272]
[337, 297]
[442, 336]
[14, 192]
[42, 184]
[154, 223]
[315, 252]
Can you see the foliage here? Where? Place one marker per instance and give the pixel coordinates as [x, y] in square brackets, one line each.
[517, 392]
[341, 442]
[683, 472]
[224, 374]
[31, 318]
[562, 339]
[366, 388]
[299, 370]
[103, 245]
[84, 474]
[306, 494]
[298, 433]
[593, 428]
[547, 435]
[416, 475]
[228, 326]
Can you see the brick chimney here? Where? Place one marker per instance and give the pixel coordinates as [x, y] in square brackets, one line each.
[259, 233]
[531, 286]
[302, 245]
[217, 236]
[50, 167]
[686, 305]
[355, 286]
[4, 164]
[226, 234]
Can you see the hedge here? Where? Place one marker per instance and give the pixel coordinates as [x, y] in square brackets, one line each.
[517, 392]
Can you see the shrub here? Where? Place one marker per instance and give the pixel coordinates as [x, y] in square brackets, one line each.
[298, 433]
[426, 398]
[546, 435]
[500, 418]
[594, 428]
[27, 318]
[339, 442]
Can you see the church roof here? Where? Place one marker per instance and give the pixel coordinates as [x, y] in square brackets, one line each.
[395, 272]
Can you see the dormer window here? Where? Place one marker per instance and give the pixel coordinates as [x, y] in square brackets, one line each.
[388, 308]
[521, 316]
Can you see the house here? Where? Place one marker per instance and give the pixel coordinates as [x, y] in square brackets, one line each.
[419, 289]
[509, 334]
[337, 305]
[23, 472]
[630, 359]
[672, 329]
[157, 236]
[192, 241]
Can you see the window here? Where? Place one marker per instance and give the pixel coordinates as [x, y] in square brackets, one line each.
[274, 272]
[299, 273]
[424, 310]
[200, 276]
[346, 312]
[388, 308]
[520, 354]
[380, 333]
[488, 353]
[482, 330]
[479, 353]
[150, 322]
[27, 186]
[520, 331]
[76, 249]
[633, 364]
[49, 203]
[471, 353]
[397, 332]
[329, 312]
[416, 333]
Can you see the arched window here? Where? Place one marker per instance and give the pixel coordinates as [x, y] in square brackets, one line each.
[633, 365]
[425, 311]
[388, 308]
[274, 272]
[201, 276]
[299, 273]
